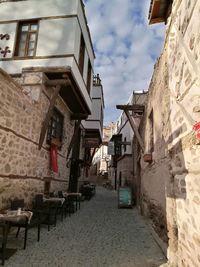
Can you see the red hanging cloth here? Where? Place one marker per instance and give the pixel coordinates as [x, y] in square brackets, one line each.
[196, 127]
[54, 158]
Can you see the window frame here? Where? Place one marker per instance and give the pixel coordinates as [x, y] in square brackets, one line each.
[151, 131]
[125, 146]
[57, 118]
[89, 76]
[28, 23]
[81, 54]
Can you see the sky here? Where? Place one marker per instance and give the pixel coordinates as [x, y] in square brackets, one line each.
[126, 48]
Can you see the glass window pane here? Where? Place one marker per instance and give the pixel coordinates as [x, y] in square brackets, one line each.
[21, 53]
[23, 37]
[31, 53]
[34, 27]
[22, 48]
[58, 131]
[24, 28]
[54, 133]
[22, 45]
[32, 37]
[31, 45]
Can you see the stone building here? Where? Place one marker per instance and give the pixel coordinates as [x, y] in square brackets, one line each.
[101, 159]
[170, 163]
[123, 139]
[46, 83]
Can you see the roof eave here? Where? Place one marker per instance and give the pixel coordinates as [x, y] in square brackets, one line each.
[154, 11]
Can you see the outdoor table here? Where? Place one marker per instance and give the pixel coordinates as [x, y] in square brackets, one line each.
[57, 204]
[17, 218]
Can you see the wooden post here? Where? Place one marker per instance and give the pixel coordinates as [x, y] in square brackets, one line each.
[134, 108]
[134, 127]
[73, 137]
[48, 115]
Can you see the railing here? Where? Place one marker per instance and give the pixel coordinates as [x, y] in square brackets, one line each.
[96, 80]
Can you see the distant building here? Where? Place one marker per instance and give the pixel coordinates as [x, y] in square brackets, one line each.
[121, 166]
[101, 160]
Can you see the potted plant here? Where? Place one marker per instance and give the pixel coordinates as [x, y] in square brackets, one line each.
[148, 157]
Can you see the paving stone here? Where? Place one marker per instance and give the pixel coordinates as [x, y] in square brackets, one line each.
[98, 235]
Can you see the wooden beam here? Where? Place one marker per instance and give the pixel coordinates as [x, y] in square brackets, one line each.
[77, 116]
[75, 135]
[65, 76]
[135, 108]
[124, 143]
[47, 69]
[57, 82]
[45, 123]
[135, 129]
[155, 9]
[92, 156]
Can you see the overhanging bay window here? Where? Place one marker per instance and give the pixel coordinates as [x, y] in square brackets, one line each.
[26, 39]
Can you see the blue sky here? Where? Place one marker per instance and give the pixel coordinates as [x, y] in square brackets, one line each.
[126, 48]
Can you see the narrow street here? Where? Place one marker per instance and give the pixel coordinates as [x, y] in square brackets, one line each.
[99, 234]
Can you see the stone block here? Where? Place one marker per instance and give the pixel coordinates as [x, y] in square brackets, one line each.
[32, 78]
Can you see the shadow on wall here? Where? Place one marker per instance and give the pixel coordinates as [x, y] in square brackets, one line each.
[178, 170]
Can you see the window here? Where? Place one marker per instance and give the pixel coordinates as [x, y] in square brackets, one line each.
[117, 140]
[89, 76]
[26, 39]
[101, 118]
[151, 132]
[47, 185]
[124, 144]
[81, 55]
[55, 129]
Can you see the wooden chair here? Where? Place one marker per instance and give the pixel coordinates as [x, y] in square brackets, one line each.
[24, 222]
[4, 234]
[15, 205]
[68, 206]
[46, 211]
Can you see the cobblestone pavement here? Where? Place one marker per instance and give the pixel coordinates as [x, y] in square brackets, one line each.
[98, 235]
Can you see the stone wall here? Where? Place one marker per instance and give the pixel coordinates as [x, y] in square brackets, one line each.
[24, 169]
[155, 175]
[175, 170]
[125, 167]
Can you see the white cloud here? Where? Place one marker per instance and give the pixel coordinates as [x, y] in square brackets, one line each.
[106, 44]
[126, 48]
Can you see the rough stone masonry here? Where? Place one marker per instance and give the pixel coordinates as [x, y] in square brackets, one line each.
[171, 182]
[23, 168]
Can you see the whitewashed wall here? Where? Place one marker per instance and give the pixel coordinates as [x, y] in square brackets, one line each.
[95, 120]
[56, 36]
[37, 9]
